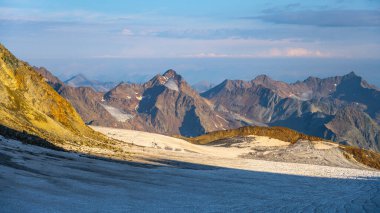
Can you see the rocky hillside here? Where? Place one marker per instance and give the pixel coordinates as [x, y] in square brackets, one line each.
[53, 81]
[354, 126]
[31, 106]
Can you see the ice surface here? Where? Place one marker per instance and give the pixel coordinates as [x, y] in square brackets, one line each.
[34, 179]
[171, 84]
[117, 113]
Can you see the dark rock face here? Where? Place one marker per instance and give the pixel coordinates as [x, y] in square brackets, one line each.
[191, 125]
[355, 90]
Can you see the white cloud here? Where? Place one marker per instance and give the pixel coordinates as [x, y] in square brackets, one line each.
[301, 52]
[162, 36]
[208, 55]
[20, 14]
[127, 32]
[293, 53]
[272, 53]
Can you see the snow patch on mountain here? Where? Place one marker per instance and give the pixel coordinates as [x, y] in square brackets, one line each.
[172, 85]
[118, 114]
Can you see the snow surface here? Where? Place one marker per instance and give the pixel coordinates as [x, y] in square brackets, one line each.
[252, 147]
[34, 179]
[117, 113]
[171, 84]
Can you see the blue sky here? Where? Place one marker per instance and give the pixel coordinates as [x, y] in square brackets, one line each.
[203, 40]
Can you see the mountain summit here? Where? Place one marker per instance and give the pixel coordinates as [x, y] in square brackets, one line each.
[81, 81]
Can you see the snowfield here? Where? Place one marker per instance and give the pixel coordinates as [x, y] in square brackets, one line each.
[34, 179]
[229, 152]
[118, 114]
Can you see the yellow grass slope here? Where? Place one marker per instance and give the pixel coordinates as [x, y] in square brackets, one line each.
[280, 133]
[28, 104]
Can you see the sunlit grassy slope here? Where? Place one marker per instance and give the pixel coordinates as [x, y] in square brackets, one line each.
[28, 104]
[280, 133]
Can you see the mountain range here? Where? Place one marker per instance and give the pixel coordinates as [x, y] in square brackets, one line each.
[81, 81]
[202, 86]
[344, 109]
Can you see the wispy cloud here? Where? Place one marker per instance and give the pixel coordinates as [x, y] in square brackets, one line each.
[302, 52]
[325, 18]
[290, 31]
[34, 15]
[272, 53]
[127, 32]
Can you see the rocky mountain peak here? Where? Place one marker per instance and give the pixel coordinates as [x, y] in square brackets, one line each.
[82, 81]
[231, 84]
[312, 79]
[170, 80]
[262, 79]
[226, 85]
[171, 74]
[351, 79]
[351, 74]
[73, 81]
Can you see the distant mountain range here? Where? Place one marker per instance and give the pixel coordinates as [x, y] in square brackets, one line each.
[345, 108]
[202, 86]
[81, 81]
